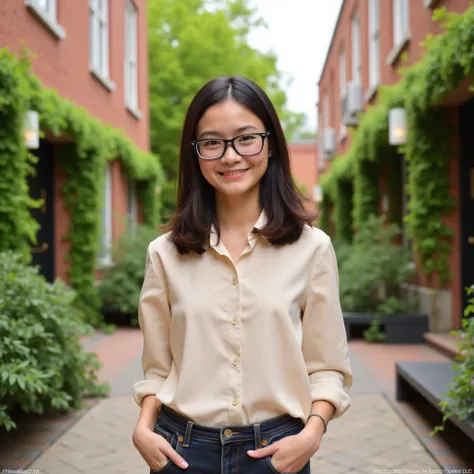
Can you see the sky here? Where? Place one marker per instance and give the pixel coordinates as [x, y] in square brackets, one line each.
[299, 32]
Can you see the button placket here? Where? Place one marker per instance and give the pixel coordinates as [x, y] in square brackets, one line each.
[234, 348]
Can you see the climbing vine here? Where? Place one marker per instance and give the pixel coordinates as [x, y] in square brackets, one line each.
[83, 160]
[448, 61]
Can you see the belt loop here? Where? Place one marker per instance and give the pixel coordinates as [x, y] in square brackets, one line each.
[187, 435]
[256, 428]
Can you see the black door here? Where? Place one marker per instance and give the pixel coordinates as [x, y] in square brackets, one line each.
[467, 196]
[41, 186]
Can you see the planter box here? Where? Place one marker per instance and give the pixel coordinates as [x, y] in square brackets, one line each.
[115, 316]
[405, 328]
[398, 328]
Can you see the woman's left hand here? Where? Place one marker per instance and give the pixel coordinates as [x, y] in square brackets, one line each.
[290, 454]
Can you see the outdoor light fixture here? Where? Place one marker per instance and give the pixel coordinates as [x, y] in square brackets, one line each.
[397, 126]
[31, 130]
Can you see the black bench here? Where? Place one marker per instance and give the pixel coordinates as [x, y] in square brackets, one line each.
[430, 381]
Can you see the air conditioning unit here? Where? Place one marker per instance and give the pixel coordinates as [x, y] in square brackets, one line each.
[329, 142]
[430, 3]
[351, 104]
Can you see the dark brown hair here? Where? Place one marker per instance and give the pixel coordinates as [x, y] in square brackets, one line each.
[191, 224]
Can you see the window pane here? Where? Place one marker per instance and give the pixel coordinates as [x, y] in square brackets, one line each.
[131, 81]
[355, 50]
[93, 39]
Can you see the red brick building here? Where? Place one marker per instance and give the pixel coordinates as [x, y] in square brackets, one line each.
[95, 55]
[304, 164]
[371, 40]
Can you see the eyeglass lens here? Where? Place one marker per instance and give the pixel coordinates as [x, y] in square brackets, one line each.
[245, 145]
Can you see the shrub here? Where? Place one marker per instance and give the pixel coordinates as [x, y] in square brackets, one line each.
[371, 264]
[459, 401]
[122, 282]
[42, 363]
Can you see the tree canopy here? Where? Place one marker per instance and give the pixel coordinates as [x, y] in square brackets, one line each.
[191, 42]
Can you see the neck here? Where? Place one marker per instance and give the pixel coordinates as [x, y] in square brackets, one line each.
[237, 213]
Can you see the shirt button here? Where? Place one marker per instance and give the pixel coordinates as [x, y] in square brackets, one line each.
[235, 403]
[234, 321]
[235, 281]
[236, 362]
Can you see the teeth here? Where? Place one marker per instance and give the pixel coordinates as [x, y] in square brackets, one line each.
[234, 172]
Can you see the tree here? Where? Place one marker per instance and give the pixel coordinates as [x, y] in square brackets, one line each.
[191, 42]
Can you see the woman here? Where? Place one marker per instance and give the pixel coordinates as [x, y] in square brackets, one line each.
[245, 353]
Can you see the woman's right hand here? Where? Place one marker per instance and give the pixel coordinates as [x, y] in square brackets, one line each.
[154, 449]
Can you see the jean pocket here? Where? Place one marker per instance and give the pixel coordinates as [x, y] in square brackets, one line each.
[273, 438]
[173, 439]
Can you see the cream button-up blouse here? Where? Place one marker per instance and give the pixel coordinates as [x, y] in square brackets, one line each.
[232, 343]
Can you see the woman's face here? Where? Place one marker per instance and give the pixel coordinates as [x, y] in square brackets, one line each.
[232, 174]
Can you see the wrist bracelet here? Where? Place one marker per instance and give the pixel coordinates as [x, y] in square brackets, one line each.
[321, 418]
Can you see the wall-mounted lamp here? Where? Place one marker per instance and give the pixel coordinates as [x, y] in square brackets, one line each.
[397, 126]
[31, 130]
[317, 193]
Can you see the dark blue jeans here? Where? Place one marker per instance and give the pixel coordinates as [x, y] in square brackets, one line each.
[210, 450]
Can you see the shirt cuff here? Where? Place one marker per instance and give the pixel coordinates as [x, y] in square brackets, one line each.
[146, 387]
[331, 391]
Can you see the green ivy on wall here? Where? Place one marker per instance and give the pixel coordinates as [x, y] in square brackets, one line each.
[447, 63]
[83, 160]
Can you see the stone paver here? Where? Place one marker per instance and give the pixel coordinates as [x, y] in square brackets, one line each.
[371, 436]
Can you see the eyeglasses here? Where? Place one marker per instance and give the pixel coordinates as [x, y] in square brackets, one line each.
[244, 145]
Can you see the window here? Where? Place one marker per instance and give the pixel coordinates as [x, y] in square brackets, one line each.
[400, 21]
[132, 207]
[47, 6]
[356, 60]
[106, 223]
[99, 37]
[46, 12]
[342, 86]
[131, 73]
[374, 44]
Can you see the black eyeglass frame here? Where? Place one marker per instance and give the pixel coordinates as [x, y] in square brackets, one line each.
[262, 135]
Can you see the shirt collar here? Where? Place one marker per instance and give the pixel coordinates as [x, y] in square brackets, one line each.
[252, 238]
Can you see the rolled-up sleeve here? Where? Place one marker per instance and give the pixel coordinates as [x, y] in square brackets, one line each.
[154, 317]
[325, 347]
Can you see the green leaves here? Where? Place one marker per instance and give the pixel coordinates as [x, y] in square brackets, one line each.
[191, 42]
[82, 162]
[370, 263]
[42, 363]
[449, 60]
[459, 400]
[121, 285]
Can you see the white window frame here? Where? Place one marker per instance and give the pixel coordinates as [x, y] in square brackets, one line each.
[46, 11]
[401, 22]
[131, 58]
[48, 6]
[99, 41]
[132, 207]
[374, 43]
[342, 88]
[356, 50]
[105, 257]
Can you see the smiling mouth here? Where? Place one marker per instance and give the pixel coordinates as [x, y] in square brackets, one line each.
[233, 173]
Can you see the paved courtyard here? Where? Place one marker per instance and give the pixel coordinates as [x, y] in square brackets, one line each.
[371, 436]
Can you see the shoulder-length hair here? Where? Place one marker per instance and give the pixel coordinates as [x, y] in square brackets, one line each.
[191, 224]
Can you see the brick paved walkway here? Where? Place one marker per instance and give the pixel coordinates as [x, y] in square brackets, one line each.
[370, 436]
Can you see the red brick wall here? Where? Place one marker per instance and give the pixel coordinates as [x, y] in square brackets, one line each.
[421, 23]
[64, 64]
[304, 165]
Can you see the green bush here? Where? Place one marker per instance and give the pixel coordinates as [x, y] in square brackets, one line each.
[43, 366]
[371, 264]
[122, 282]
